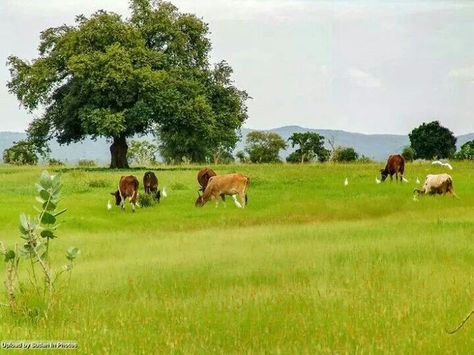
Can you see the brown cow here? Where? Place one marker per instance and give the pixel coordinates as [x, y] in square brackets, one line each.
[231, 184]
[150, 184]
[395, 165]
[203, 177]
[127, 187]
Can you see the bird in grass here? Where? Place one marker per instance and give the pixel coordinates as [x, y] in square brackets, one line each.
[418, 181]
[437, 162]
[109, 205]
[377, 181]
[164, 192]
[346, 182]
[404, 180]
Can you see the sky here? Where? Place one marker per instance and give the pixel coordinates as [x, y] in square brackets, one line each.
[360, 66]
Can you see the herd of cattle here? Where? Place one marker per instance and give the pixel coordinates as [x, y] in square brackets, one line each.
[213, 186]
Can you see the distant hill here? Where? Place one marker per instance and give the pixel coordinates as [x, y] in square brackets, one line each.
[374, 146]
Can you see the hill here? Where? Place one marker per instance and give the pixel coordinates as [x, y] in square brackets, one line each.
[374, 146]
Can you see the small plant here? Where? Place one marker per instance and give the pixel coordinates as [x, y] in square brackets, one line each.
[84, 163]
[37, 234]
[146, 200]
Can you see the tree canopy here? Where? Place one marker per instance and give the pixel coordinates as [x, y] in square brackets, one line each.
[310, 145]
[263, 147]
[113, 77]
[431, 140]
[466, 152]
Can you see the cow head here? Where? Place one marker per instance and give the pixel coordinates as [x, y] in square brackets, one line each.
[384, 174]
[118, 198]
[200, 201]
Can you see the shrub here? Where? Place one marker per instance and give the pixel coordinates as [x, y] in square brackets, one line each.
[98, 183]
[408, 153]
[84, 163]
[55, 162]
[21, 153]
[146, 200]
[344, 154]
[37, 235]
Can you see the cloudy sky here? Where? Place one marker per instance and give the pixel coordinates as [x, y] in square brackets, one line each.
[364, 66]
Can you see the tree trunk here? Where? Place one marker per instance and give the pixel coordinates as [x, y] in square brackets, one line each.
[118, 153]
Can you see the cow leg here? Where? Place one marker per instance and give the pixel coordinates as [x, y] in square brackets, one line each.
[236, 202]
[242, 198]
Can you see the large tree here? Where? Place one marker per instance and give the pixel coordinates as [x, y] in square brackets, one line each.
[431, 140]
[263, 147]
[310, 145]
[113, 77]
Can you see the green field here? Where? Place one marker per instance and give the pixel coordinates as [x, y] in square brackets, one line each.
[310, 266]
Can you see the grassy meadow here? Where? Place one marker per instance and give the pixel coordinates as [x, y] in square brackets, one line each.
[310, 266]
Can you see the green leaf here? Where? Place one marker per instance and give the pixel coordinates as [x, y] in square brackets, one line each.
[72, 253]
[44, 195]
[40, 200]
[9, 255]
[48, 218]
[47, 233]
[45, 180]
[24, 224]
[49, 206]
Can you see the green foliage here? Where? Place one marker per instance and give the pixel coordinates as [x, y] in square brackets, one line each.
[408, 153]
[114, 77]
[98, 183]
[146, 200]
[55, 162]
[85, 163]
[466, 152]
[21, 153]
[344, 154]
[432, 141]
[37, 234]
[264, 147]
[311, 145]
[364, 159]
[243, 158]
[142, 152]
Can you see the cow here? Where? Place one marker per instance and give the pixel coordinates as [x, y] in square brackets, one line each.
[221, 185]
[150, 184]
[437, 184]
[203, 177]
[395, 165]
[127, 187]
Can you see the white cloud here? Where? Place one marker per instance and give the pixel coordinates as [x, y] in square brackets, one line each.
[364, 79]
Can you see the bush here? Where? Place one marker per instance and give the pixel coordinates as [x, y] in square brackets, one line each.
[98, 183]
[344, 154]
[408, 153]
[21, 153]
[55, 162]
[84, 163]
[466, 152]
[146, 200]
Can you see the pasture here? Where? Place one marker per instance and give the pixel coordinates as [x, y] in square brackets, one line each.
[311, 266]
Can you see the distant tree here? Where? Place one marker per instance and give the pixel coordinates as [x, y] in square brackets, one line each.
[364, 159]
[408, 153]
[344, 154]
[106, 76]
[21, 153]
[142, 152]
[466, 152]
[431, 140]
[264, 147]
[243, 158]
[310, 144]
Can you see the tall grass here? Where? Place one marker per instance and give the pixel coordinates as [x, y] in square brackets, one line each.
[310, 266]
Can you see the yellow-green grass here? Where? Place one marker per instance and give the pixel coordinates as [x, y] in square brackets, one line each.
[310, 266]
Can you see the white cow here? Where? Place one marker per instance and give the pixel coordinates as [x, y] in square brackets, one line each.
[437, 184]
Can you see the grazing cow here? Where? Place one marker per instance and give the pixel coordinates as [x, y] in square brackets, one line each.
[203, 177]
[127, 187]
[395, 165]
[231, 184]
[437, 184]
[150, 183]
